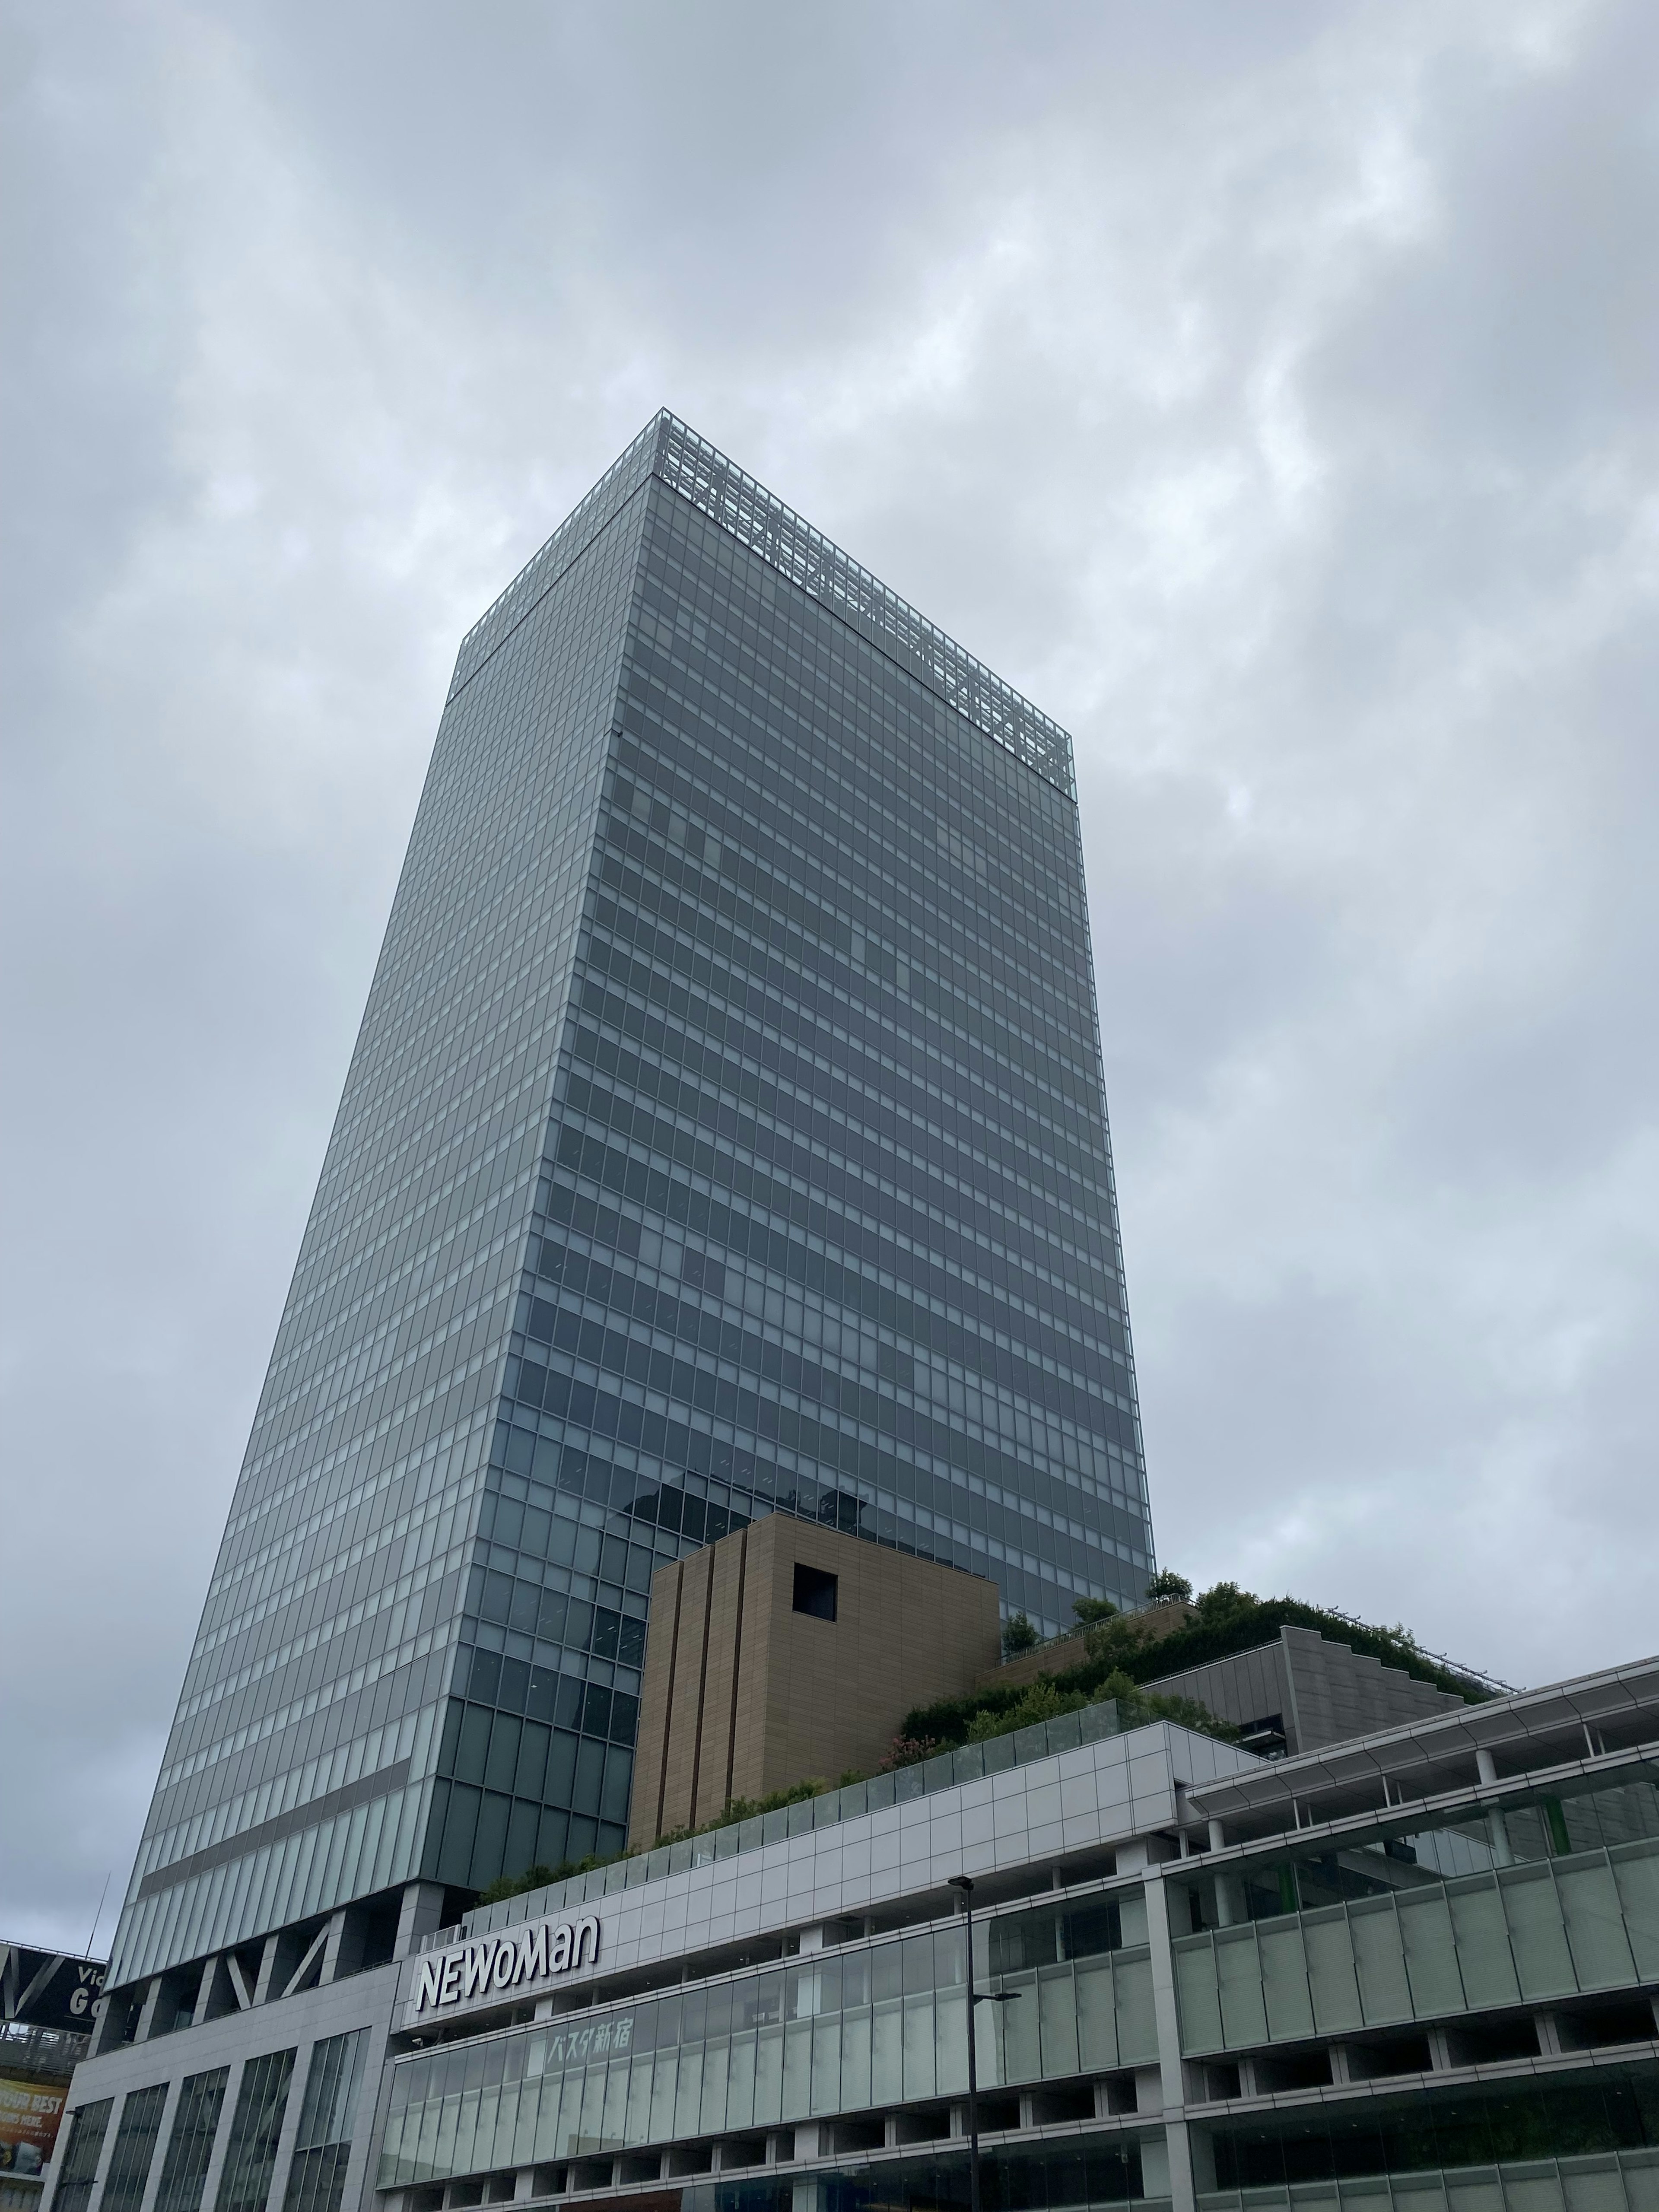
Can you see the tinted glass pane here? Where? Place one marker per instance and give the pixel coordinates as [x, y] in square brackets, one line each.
[135, 2146]
[255, 2130]
[190, 2146]
[87, 2128]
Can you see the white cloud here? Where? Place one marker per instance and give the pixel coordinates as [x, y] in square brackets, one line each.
[1269, 391]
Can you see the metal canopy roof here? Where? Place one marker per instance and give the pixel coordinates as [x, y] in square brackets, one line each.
[1564, 1724]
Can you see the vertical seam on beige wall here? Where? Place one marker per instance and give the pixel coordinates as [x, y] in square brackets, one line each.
[668, 1700]
[702, 1684]
[737, 1666]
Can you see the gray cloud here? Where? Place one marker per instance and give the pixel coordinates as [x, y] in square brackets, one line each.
[1269, 391]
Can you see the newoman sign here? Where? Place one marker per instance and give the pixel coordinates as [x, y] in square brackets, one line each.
[535, 1953]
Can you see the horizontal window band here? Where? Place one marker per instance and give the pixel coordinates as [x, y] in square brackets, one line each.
[346, 1799]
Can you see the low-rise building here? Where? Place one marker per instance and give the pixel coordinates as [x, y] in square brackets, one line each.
[1417, 1969]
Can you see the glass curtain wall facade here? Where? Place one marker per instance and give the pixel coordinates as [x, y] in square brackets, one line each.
[869, 2027]
[135, 2146]
[725, 1134]
[189, 2147]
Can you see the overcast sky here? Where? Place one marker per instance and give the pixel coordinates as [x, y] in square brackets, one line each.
[1269, 391]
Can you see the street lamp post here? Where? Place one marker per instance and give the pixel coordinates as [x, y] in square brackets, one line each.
[963, 1882]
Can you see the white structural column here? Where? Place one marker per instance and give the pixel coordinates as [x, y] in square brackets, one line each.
[1183, 2191]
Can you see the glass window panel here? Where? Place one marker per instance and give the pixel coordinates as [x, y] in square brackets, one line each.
[1018, 2029]
[1537, 1938]
[688, 2101]
[255, 2130]
[886, 1972]
[135, 2147]
[538, 2107]
[797, 2069]
[665, 2095]
[1096, 2015]
[950, 2038]
[887, 2054]
[918, 1963]
[826, 2065]
[1198, 1995]
[89, 2126]
[1333, 1976]
[1284, 1978]
[509, 2102]
[740, 2082]
[1056, 1997]
[548, 2145]
[855, 2091]
[636, 2125]
[1243, 2003]
[920, 2059]
[426, 2153]
[1425, 1930]
[196, 2122]
[1636, 1872]
[1485, 1963]
[316, 2178]
[1137, 2019]
[614, 2124]
[768, 2077]
[466, 2131]
[443, 2149]
[1594, 1923]
[585, 2103]
[1379, 1960]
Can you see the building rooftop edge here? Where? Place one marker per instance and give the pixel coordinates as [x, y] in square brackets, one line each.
[1588, 1698]
[777, 534]
[581, 1891]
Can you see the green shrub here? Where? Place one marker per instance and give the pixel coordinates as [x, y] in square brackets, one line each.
[537, 1877]
[1226, 1619]
[1167, 1584]
[1089, 1610]
[1041, 1702]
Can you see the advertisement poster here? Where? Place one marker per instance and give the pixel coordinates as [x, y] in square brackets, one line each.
[47, 1988]
[30, 2114]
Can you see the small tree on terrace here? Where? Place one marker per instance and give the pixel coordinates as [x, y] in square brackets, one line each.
[1165, 1585]
[1091, 1610]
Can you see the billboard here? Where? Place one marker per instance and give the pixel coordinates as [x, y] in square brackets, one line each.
[29, 2114]
[48, 1989]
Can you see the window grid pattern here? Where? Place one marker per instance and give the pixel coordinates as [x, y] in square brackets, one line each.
[190, 2146]
[725, 1134]
[829, 1223]
[256, 2130]
[708, 481]
[885, 2024]
[704, 478]
[135, 2147]
[298, 1771]
[1521, 2134]
[87, 2127]
[322, 2147]
[1521, 1934]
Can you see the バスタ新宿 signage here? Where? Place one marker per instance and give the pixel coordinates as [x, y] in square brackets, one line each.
[470, 1972]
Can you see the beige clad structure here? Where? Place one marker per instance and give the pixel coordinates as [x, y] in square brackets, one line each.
[787, 1651]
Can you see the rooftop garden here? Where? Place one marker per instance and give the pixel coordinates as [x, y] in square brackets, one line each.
[1120, 1651]
[1110, 1655]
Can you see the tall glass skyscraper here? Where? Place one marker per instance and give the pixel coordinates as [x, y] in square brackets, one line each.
[726, 1135]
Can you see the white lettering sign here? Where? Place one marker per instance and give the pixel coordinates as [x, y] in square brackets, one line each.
[489, 1963]
[571, 2046]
